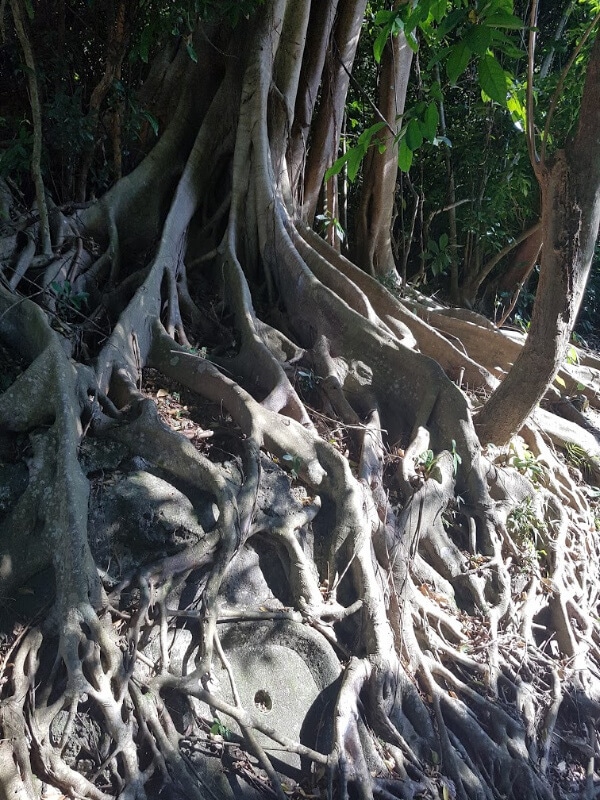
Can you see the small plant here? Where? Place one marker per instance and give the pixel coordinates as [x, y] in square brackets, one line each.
[67, 300]
[295, 464]
[438, 255]
[428, 462]
[572, 357]
[501, 300]
[526, 463]
[526, 528]
[522, 322]
[329, 226]
[579, 458]
[390, 281]
[16, 158]
[307, 379]
[218, 729]
[456, 459]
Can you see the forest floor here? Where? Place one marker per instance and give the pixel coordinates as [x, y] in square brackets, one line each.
[213, 433]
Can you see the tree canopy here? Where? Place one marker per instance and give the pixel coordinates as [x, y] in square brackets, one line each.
[286, 507]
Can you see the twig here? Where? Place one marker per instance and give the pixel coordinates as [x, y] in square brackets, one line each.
[363, 92]
[530, 124]
[561, 81]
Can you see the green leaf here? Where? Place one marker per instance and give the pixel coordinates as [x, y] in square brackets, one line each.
[191, 52]
[366, 136]
[380, 42]
[517, 109]
[145, 41]
[458, 60]
[29, 9]
[336, 167]
[501, 42]
[152, 121]
[560, 381]
[412, 41]
[438, 9]
[435, 90]
[492, 79]
[444, 241]
[355, 157]
[405, 156]
[572, 357]
[384, 17]
[453, 19]
[430, 121]
[414, 135]
[479, 39]
[502, 19]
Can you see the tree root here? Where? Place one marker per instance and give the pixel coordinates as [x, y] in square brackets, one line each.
[454, 587]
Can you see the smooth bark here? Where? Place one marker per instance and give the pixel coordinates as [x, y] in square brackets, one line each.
[373, 247]
[328, 125]
[570, 185]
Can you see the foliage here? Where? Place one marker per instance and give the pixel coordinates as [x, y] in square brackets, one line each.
[456, 458]
[525, 462]
[438, 255]
[295, 464]
[528, 531]
[16, 158]
[162, 18]
[427, 461]
[70, 303]
[328, 224]
[221, 730]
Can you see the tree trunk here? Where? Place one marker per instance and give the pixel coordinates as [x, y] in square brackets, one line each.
[380, 169]
[570, 186]
[117, 36]
[311, 579]
[509, 286]
[328, 124]
[36, 113]
[322, 18]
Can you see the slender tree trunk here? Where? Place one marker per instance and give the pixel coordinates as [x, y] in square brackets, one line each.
[508, 287]
[117, 44]
[36, 113]
[547, 62]
[322, 18]
[328, 126]
[527, 248]
[570, 184]
[373, 247]
[451, 203]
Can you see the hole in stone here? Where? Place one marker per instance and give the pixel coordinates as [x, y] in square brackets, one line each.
[262, 700]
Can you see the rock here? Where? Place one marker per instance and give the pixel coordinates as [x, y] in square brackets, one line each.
[141, 516]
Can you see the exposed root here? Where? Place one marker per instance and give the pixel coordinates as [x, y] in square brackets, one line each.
[443, 598]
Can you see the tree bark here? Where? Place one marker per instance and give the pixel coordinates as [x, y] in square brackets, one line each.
[328, 125]
[321, 21]
[527, 248]
[116, 48]
[570, 185]
[373, 235]
[344, 492]
[36, 113]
